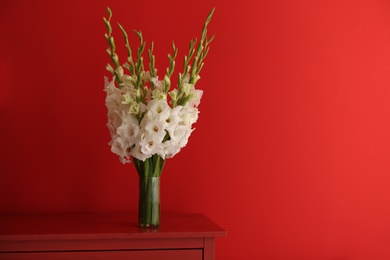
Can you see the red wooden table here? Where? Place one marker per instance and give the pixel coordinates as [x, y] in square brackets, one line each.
[107, 236]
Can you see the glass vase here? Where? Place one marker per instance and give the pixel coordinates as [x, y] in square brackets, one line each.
[149, 202]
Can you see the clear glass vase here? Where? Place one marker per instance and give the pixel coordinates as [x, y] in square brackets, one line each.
[149, 202]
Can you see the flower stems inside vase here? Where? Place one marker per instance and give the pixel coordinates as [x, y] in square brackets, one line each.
[149, 201]
[149, 172]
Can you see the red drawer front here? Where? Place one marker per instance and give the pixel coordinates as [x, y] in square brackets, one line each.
[194, 254]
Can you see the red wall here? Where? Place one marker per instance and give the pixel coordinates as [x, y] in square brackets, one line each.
[290, 153]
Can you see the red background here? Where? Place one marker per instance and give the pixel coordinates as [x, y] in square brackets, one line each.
[291, 150]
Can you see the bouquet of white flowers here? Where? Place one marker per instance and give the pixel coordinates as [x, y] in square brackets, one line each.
[148, 121]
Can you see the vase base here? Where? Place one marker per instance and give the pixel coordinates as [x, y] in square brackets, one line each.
[148, 226]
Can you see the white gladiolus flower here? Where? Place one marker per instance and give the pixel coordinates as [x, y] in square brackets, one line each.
[114, 96]
[158, 109]
[155, 129]
[195, 96]
[171, 148]
[129, 119]
[111, 129]
[173, 119]
[189, 116]
[129, 129]
[138, 154]
[121, 147]
[184, 140]
[109, 86]
[180, 135]
[114, 102]
[151, 145]
[114, 119]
